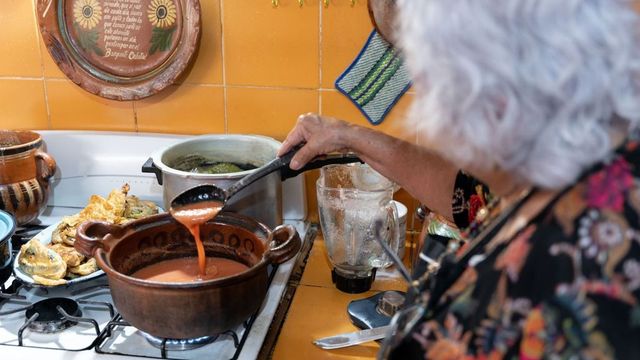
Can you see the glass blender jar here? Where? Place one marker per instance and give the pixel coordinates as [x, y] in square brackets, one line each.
[351, 198]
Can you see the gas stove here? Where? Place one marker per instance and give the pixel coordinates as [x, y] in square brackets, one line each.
[81, 321]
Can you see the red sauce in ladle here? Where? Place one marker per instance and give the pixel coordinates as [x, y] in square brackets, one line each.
[192, 216]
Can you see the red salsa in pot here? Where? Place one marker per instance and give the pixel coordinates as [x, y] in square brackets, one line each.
[187, 270]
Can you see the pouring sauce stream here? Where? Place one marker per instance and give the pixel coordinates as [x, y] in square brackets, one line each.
[192, 216]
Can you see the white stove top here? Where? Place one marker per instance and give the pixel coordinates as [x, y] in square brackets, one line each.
[89, 163]
[76, 339]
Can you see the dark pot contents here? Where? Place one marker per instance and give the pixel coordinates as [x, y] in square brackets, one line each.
[199, 164]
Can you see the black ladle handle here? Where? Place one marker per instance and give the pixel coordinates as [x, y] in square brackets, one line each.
[262, 171]
[286, 172]
[282, 164]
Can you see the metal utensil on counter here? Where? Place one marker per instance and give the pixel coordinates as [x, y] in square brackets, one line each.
[202, 193]
[352, 338]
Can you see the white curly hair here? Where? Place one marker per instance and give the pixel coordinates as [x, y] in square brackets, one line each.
[530, 87]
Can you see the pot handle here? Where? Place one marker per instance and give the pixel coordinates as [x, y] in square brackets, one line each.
[150, 167]
[49, 167]
[284, 243]
[94, 235]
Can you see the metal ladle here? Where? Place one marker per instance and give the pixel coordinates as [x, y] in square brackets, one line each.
[213, 193]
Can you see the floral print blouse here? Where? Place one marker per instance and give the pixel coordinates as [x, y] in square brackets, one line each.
[469, 196]
[567, 286]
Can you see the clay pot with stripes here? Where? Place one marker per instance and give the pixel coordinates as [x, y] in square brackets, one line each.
[25, 171]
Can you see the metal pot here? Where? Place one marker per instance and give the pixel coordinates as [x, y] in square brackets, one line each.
[194, 309]
[7, 228]
[261, 200]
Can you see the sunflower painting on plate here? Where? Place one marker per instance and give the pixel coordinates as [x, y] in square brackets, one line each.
[162, 15]
[86, 15]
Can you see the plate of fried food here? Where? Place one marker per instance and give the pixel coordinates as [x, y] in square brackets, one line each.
[49, 259]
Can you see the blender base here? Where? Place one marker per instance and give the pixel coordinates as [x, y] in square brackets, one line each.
[352, 285]
[375, 311]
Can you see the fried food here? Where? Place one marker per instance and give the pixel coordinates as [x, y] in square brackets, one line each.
[52, 264]
[86, 268]
[134, 208]
[45, 265]
[70, 256]
[117, 208]
[110, 209]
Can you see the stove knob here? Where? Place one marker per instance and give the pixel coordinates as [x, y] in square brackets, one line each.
[389, 303]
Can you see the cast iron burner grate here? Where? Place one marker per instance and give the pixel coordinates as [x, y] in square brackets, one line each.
[178, 344]
[168, 345]
[52, 315]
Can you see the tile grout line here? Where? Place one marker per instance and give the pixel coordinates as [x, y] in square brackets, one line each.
[259, 87]
[25, 77]
[224, 69]
[44, 80]
[58, 79]
[320, 57]
[46, 103]
[135, 116]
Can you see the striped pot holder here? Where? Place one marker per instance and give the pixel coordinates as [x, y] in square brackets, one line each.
[376, 79]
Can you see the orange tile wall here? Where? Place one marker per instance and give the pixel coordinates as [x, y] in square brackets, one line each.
[257, 69]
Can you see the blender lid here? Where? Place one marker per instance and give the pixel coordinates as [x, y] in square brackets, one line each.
[7, 225]
[353, 285]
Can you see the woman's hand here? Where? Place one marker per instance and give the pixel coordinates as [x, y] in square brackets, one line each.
[322, 135]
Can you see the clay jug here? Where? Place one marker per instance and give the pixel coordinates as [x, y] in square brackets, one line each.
[25, 171]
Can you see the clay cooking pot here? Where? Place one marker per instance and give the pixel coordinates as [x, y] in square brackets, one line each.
[25, 171]
[188, 309]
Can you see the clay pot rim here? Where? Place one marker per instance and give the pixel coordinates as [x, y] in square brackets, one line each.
[101, 256]
[15, 149]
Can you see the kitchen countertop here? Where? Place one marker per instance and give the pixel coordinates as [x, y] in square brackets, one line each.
[319, 309]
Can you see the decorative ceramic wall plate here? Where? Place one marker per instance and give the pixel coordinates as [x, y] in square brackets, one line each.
[121, 49]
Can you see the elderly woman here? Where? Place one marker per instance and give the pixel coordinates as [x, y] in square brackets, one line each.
[539, 99]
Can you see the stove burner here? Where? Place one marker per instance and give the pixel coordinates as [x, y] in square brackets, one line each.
[178, 344]
[49, 318]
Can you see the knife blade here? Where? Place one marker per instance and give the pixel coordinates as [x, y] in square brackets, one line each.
[352, 338]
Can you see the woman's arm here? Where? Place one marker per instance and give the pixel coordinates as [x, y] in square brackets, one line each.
[424, 174]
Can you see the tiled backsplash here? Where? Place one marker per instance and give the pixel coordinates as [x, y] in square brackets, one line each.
[258, 67]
